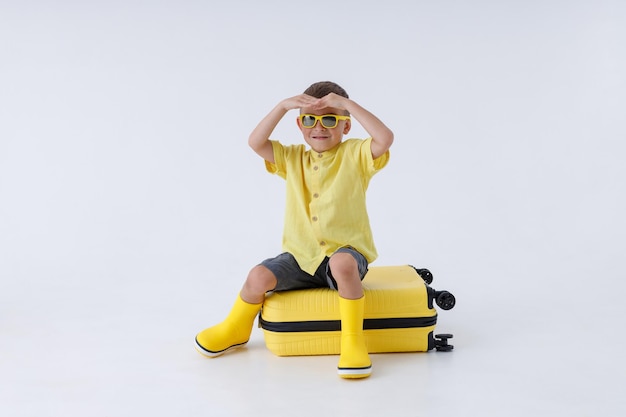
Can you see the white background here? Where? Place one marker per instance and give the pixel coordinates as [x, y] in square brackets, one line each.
[131, 207]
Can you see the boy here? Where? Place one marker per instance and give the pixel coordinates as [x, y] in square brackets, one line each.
[327, 240]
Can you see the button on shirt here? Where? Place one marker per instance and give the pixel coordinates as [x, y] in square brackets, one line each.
[325, 199]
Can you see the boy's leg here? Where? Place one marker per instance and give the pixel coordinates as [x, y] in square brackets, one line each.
[354, 361]
[345, 271]
[234, 331]
[260, 280]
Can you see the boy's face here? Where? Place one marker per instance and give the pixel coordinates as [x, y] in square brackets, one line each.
[320, 138]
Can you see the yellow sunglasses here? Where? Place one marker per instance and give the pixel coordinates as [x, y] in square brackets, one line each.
[329, 121]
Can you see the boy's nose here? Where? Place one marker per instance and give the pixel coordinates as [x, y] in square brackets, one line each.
[318, 125]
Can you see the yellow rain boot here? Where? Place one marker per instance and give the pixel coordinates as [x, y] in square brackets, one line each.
[233, 332]
[354, 362]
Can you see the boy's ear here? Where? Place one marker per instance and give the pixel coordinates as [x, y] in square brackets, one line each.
[347, 126]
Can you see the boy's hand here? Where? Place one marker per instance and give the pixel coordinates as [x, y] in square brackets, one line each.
[298, 102]
[304, 100]
[332, 100]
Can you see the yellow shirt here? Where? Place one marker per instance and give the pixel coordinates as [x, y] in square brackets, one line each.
[325, 199]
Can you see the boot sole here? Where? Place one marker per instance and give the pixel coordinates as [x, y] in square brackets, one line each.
[353, 373]
[213, 354]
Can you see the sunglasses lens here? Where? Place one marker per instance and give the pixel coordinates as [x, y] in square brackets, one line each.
[329, 121]
[308, 121]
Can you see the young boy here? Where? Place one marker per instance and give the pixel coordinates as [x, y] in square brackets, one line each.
[327, 240]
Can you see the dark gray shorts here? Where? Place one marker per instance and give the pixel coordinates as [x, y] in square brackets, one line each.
[291, 277]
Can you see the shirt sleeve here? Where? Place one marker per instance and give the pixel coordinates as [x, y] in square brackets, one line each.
[278, 167]
[371, 165]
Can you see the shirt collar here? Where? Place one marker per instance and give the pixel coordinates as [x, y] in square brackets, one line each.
[325, 154]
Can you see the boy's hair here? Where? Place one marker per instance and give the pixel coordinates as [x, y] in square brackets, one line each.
[322, 88]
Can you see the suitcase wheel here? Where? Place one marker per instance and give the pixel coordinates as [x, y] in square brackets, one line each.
[425, 274]
[441, 342]
[445, 300]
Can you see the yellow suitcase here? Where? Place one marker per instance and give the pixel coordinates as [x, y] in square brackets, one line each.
[399, 315]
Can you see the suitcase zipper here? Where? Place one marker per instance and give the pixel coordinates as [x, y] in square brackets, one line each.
[335, 325]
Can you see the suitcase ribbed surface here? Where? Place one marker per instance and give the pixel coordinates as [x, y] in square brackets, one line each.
[393, 295]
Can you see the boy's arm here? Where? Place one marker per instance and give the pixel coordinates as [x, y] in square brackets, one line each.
[382, 136]
[259, 139]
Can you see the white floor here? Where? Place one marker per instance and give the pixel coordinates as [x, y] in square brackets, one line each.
[100, 350]
[131, 208]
